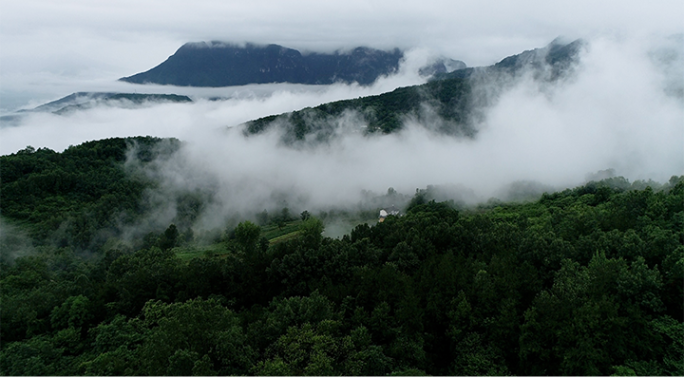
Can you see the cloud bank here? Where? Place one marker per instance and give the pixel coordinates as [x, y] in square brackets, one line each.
[613, 113]
[621, 110]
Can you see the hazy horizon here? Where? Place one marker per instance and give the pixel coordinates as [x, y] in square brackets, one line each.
[51, 50]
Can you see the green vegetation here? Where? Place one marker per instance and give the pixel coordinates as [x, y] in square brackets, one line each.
[273, 232]
[587, 281]
[189, 252]
[449, 103]
[385, 113]
[79, 197]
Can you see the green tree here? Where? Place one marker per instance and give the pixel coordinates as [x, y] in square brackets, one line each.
[170, 238]
[181, 335]
[75, 312]
[312, 231]
[247, 235]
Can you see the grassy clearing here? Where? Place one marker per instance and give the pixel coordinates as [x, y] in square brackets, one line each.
[273, 234]
[272, 231]
[285, 237]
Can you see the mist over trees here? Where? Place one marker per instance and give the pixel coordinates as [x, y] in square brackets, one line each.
[584, 281]
[480, 224]
[452, 103]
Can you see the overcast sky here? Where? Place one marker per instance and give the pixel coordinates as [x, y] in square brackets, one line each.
[45, 44]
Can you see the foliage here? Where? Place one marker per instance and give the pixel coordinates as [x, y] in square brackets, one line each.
[78, 197]
[384, 113]
[449, 103]
[586, 281]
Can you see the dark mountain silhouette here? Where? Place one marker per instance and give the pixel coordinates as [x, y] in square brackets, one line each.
[456, 98]
[217, 64]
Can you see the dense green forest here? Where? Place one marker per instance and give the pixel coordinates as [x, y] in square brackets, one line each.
[69, 198]
[586, 281]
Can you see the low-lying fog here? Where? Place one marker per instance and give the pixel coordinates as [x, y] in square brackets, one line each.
[623, 109]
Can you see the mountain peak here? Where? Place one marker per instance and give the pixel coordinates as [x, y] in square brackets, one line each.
[219, 64]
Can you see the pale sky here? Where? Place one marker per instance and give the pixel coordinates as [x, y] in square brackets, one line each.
[45, 43]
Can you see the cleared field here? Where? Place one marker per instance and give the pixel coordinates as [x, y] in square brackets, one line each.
[286, 237]
[271, 232]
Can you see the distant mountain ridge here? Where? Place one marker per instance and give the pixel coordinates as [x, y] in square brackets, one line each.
[217, 64]
[455, 98]
[83, 100]
[551, 62]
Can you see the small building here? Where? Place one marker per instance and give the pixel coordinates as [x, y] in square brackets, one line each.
[387, 212]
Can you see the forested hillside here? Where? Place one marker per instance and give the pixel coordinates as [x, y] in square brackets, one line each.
[451, 103]
[586, 281]
[449, 100]
[81, 196]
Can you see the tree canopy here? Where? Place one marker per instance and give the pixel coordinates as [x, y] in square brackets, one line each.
[586, 281]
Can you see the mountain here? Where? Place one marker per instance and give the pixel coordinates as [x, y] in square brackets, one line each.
[448, 103]
[84, 100]
[441, 65]
[384, 113]
[217, 64]
[550, 62]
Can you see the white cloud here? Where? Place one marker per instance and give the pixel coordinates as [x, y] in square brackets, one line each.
[613, 115]
[80, 39]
